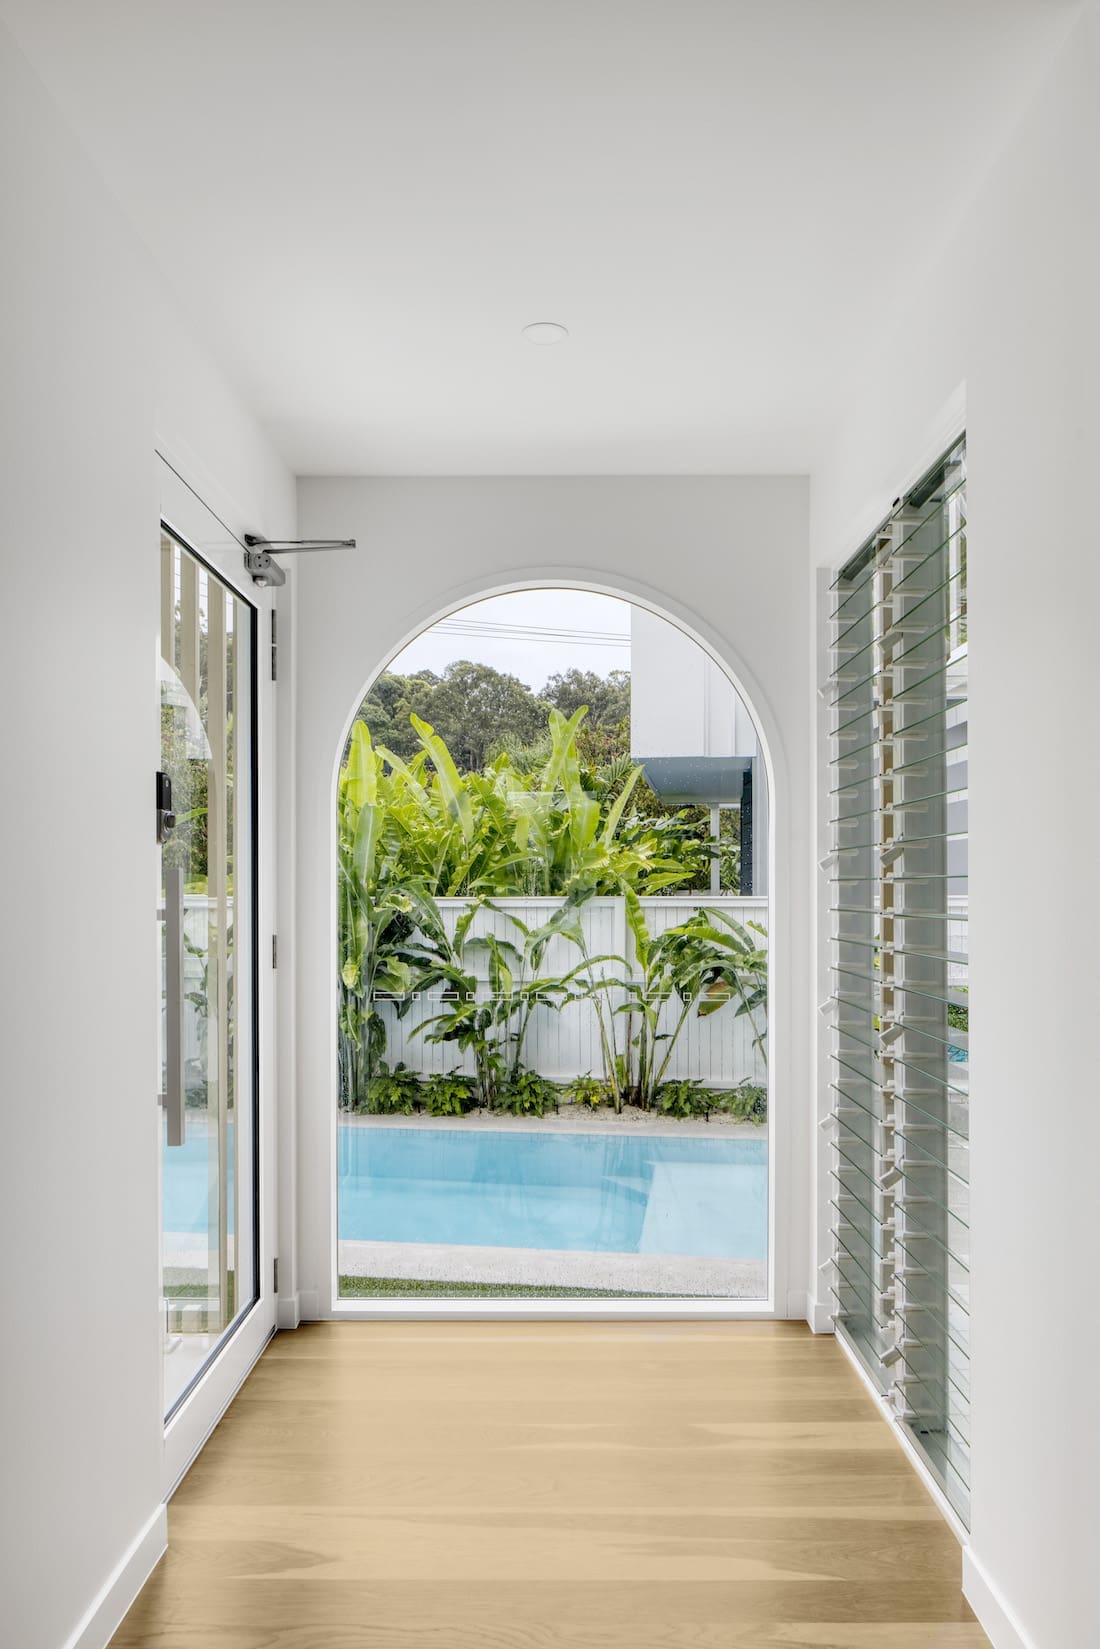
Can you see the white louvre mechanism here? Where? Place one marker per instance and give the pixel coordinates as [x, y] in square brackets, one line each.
[899, 1021]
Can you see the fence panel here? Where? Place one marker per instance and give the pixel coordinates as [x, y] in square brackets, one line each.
[563, 1042]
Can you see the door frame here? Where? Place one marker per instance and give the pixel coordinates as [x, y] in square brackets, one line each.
[321, 1195]
[217, 540]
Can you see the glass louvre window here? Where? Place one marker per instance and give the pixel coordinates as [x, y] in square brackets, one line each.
[899, 981]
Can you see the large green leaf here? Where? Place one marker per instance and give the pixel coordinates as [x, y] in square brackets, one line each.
[451, 783]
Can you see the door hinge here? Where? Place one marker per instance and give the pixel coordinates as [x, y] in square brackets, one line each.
[274, 645]
[274, 950]
[275, 1278]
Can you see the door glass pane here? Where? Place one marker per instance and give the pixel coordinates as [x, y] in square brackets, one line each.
[207, 965]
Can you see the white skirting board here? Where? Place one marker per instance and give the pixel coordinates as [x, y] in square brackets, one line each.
[819, 1315]
[947, 1511]
[994, 1615]
[106, 1611]
[798, 1306]
[309, 1306]
[289, 1313]
[998, 1622]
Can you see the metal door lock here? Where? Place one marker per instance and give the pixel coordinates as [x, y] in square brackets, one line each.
[166, 819]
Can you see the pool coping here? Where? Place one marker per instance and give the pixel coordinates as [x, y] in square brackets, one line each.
[629, 1121]
[678, 1275]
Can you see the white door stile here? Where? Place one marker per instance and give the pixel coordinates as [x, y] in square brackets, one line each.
[220, 545]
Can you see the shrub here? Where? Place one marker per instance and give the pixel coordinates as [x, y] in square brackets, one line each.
[748, 1102]
[451, 1095]
[685, 1098]
[588, 1090]
[527, 1094]
[392, 1093]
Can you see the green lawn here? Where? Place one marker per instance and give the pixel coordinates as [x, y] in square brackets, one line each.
[375, 1288]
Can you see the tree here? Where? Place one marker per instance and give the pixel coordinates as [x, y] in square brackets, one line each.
[607, 697]
[390, 703]
[474, 707]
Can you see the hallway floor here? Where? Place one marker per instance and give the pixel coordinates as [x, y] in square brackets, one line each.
[553, 1486]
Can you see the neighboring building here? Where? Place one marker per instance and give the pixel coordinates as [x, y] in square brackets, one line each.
[694, 736]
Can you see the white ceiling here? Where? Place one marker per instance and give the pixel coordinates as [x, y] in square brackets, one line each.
[362, 202]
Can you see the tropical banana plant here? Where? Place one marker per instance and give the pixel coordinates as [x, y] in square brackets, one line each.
[507, 831]
[486, 1010]
[412, 832]
[700, 965]
[471, 1012]
[385, 916]
[533, 988]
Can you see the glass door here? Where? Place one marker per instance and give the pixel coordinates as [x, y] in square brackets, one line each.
[206, 827]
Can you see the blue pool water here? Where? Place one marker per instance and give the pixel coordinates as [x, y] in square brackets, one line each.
[632, 1194]
[185, 1182]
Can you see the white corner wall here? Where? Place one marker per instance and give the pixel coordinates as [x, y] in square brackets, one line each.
[726, 557]
[1006, 320]
[97, 372]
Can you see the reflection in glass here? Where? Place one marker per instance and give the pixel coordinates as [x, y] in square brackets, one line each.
[208, 1259]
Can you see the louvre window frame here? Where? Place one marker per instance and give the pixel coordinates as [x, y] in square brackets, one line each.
[897, 775]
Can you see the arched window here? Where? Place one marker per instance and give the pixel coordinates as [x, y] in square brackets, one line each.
[552, 830]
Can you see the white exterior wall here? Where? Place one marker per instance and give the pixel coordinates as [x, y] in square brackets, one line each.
[703, 550]
[1006, 320]
[97, 370]
[681, 702]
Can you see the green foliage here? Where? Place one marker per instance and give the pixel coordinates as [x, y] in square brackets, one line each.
[449, 1095]
[384, 913]
[587, 1090]
[685, 1098]
[470, 706]
[526, 1094]
[411, 831]
[958, 1017]
[701, 964]
[368, 1288]
[748, 1102]
[481, 714]
[606, 698]
[392, 1093]
[466, 1018]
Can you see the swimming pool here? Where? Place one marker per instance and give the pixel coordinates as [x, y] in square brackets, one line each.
[621, 1193]
[186, 1201]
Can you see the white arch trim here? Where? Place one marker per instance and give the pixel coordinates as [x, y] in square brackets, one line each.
[780, 1064]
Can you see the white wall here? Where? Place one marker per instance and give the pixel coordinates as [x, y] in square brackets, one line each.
[97, 369]
[681, 702]
[725, 556]
[1010, 311]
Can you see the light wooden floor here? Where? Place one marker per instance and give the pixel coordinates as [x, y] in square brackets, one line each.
[553, 1486]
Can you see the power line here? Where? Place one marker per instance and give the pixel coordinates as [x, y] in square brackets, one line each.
[532, 632]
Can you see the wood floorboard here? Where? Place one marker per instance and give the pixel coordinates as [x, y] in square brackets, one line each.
[553, 1486]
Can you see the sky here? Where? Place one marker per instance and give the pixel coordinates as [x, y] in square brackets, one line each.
[532, 634]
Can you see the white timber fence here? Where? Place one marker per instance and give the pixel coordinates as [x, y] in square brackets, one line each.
[564, 1041]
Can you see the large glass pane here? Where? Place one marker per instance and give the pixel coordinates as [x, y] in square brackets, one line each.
[553, 964]
[207, 963]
